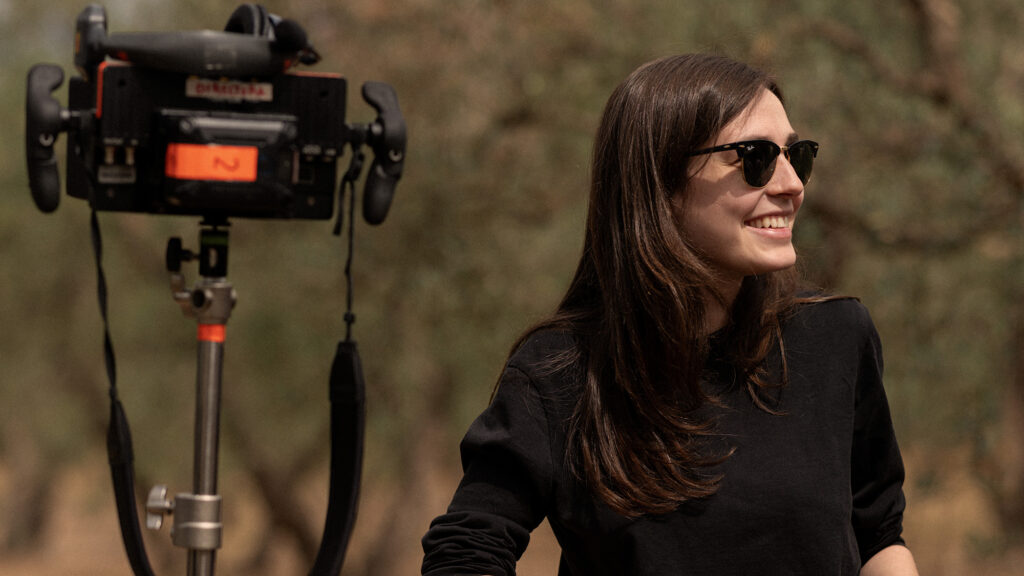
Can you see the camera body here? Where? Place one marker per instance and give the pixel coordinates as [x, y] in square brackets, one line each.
[212, 124]
[172, 143]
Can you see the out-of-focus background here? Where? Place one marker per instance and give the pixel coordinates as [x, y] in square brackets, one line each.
[915, 207]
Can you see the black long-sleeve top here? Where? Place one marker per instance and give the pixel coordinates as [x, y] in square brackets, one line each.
[815, 488]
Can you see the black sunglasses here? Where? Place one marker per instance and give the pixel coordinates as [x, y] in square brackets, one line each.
[759, 156]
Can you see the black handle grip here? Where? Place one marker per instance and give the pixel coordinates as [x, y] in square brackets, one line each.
[378, 192]
[43, 120]
[388, 142]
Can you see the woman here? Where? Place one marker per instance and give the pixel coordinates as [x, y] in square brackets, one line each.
[686, 410]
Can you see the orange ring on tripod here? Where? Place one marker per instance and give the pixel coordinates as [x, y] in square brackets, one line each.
[211, 333]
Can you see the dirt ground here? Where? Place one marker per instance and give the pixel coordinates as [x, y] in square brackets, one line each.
[949, 525]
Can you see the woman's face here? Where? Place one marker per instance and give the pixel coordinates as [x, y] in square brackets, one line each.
[741, 230]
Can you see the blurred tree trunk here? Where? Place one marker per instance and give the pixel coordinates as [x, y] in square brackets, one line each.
[1012, 484]
[419, 493]
[30, 491]
[276, 482]
[417, 484]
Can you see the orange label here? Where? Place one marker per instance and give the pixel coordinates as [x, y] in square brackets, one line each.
[211, 162]
[211, 333]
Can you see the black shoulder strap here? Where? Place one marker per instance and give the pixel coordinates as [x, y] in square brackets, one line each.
[348, 422]
[119, 437]
[348, 411]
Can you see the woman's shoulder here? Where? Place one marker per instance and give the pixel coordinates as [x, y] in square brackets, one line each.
[544, 350]
[545, 364]
[820, 314]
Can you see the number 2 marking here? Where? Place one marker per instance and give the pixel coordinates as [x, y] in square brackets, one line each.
[220, 164]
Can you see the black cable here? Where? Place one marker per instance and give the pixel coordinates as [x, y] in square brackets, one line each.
[350, 317]
[101, 289]
[348, 184]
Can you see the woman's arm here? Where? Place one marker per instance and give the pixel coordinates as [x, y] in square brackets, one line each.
[895, 560]
[877, 470]
[505, 485]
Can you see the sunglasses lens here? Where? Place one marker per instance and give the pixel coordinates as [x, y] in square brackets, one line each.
[801, 157]
[759, 162]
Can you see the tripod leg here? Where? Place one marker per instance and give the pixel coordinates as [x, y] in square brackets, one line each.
[208, 388]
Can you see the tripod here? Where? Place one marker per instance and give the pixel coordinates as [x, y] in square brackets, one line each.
[295, 145]
[197, 515]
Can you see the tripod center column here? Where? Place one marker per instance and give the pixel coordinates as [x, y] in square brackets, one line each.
[212, 302]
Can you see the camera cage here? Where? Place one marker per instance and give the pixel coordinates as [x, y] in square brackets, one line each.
[206, 123]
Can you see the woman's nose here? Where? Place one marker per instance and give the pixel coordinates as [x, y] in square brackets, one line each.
[784, 180]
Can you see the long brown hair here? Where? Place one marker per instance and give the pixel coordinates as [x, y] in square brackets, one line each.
[638, 300]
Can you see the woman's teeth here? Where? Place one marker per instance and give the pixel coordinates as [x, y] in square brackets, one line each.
[770, 222]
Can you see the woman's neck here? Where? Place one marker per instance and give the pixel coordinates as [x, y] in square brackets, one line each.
[718, 312]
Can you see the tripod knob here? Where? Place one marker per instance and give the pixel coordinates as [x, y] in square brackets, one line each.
[176, 254]
[158, 506]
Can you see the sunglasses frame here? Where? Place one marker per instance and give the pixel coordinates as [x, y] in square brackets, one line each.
[747, 146]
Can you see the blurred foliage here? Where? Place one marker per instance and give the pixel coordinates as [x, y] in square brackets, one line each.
[909, 209]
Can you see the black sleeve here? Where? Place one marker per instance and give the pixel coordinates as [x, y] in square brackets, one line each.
[877, 467]
[504, 492]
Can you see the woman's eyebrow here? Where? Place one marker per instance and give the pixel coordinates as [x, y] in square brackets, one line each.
[790, 138]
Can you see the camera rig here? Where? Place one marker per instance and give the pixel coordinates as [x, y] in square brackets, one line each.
[216, 125]
[206, 123]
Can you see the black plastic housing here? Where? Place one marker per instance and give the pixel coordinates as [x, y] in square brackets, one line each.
[132, 116]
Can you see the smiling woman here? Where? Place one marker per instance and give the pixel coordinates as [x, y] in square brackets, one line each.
[738, 210]
[688, 409]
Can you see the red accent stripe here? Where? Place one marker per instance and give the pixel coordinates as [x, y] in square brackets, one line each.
[99, 89]
[211, 333]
